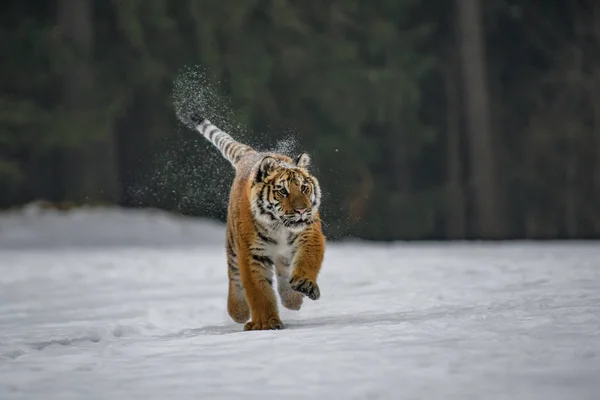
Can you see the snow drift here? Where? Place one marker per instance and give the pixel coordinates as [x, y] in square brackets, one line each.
[33, 226]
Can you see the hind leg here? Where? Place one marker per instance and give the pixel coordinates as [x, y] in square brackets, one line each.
[237, 306]
[290, 298]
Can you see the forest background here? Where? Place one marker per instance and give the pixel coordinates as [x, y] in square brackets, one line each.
[430, 119]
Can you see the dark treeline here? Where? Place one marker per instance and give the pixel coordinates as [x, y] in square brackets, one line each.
[425, 119]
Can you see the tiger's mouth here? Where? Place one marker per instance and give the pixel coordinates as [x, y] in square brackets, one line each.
[295, 221]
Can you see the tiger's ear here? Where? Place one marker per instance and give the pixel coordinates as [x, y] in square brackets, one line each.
[267, 165]
[303, 160]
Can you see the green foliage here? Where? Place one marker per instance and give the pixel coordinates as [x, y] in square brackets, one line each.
[357, 83]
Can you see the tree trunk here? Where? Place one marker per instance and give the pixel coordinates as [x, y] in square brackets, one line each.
[483, 171]
[594, 92]
[90, 168]
[572, 134]
[455, 217]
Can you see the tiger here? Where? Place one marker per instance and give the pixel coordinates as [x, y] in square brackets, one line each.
[273, 225]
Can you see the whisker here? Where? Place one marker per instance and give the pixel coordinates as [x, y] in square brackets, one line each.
[322, 222]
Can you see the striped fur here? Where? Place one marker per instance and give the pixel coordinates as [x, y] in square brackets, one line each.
[230, 149]
[273, 225]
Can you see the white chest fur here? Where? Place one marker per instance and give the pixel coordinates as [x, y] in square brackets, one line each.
[281, 248]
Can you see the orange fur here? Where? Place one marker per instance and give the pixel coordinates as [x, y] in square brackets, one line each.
[273, 225]
[259, 295]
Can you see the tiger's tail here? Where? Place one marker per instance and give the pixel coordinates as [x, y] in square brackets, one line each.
[232, 150]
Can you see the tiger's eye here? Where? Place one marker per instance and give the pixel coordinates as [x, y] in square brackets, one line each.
[282, 191]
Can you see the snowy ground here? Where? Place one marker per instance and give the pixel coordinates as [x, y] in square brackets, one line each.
[141, 315]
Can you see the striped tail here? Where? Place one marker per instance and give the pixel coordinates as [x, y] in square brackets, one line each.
[233, 151]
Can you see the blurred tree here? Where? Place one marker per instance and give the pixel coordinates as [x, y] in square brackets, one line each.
[89, 167]
[26, 49]
[456, 227]
[413, 135]
[480, 132]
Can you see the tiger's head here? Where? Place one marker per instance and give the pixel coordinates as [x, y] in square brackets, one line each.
[285, 193]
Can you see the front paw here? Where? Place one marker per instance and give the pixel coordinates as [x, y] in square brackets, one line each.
[264, 324]
[305, 286]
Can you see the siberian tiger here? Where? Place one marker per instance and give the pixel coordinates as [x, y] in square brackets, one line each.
[273, 224]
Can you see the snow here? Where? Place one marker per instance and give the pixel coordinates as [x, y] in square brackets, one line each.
[36, 227]
[105, 304]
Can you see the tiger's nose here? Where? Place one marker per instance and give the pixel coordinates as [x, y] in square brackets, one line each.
[301, 211]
